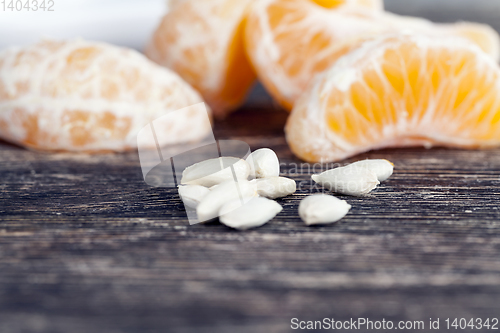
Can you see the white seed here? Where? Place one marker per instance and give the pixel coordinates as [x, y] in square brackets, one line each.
[348, 180]
[192, 195]
[264, 163]
[215, 171]
[211, 188]
[275, 187]
[382, 168]
[210, 206]
[322, 209]
[254, 213]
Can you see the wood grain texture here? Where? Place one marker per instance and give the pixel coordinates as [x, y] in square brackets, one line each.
[87, 246]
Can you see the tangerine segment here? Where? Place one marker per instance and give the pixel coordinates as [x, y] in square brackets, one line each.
[372, 4]
[203, 42]
[88, 96]
[172, 3]
[398, 91]
[290, 41]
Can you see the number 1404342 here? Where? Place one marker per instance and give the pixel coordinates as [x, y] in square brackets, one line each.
[27, 5]
[472, 324]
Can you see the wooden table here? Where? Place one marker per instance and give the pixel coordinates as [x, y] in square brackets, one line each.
[87, 246]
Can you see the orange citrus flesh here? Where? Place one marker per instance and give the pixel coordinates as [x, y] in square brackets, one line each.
[291, 41]
[203, 42]
[172, 3]
[373, 4]
[397, 91]
[88, 96]
[324, 3]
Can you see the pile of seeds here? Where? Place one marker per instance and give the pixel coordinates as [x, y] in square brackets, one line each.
[240, 192]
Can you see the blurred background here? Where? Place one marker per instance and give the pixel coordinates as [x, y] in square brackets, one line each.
[131, 22]
[122, 22]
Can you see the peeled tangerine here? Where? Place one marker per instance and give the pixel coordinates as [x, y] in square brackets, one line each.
[398, 91]
[290, 41]
[87, 96]
[173, 3]
[202, 40]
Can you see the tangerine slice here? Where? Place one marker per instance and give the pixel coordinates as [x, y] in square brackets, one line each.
[172, 3]
[399, 91]
[290, 41]
[88, 96]
[203, 42]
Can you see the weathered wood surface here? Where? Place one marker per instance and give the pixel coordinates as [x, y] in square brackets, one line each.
[87, 246]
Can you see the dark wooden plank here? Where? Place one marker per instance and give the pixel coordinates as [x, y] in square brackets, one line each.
[87, 246]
